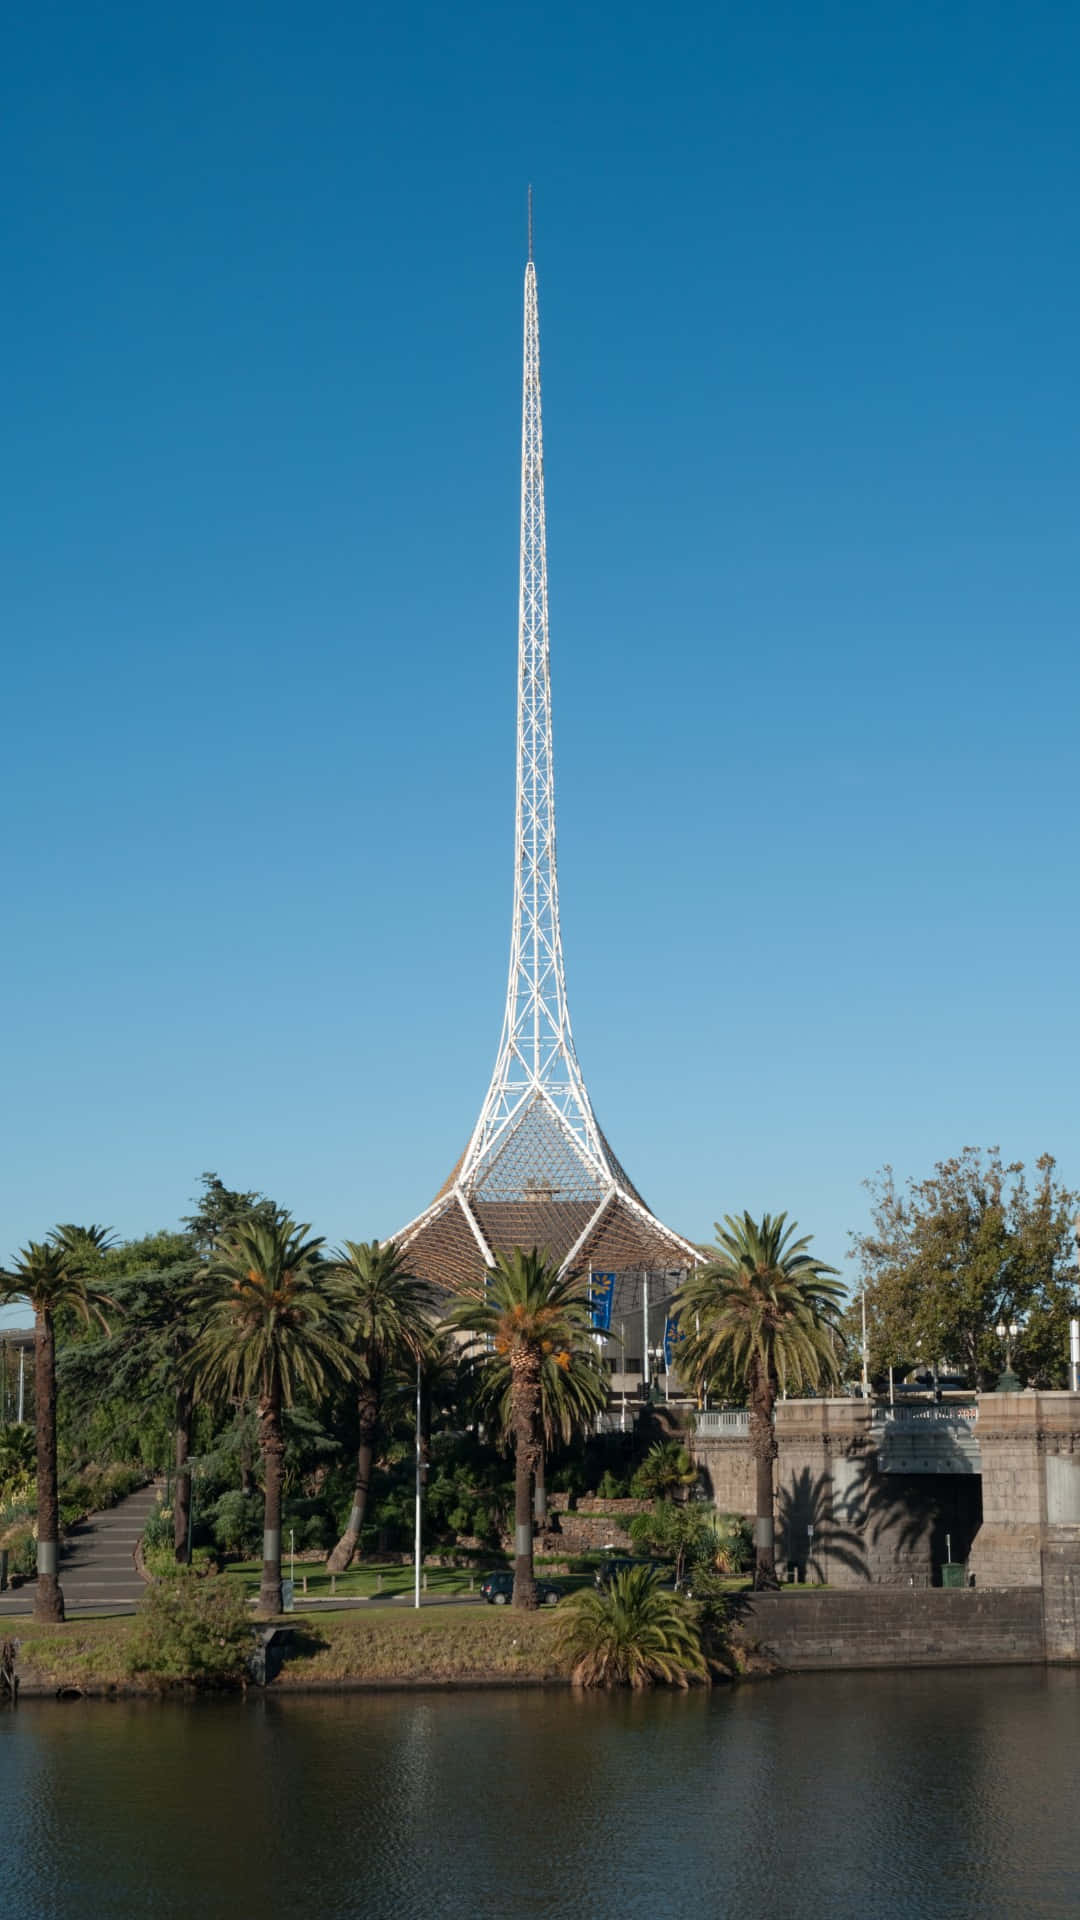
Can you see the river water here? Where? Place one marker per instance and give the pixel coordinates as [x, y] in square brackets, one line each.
[864, 1795]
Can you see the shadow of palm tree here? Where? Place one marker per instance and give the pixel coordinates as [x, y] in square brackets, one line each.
[813, 1534]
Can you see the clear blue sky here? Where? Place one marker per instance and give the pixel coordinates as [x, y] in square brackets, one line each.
[810, 305]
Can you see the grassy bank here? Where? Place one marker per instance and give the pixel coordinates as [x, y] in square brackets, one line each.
[330, 1649]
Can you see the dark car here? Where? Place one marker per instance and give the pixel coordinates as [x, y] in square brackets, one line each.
[498, 1591]
[661, 1571]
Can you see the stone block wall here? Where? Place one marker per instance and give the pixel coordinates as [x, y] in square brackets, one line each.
[897, 1627]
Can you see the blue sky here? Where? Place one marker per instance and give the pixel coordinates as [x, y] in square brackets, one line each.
[809, 309]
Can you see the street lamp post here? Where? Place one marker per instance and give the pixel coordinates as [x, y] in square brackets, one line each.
[1006, 1332]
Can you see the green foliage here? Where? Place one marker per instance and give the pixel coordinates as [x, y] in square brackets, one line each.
[676, 1531]
[633, 1632]
[236, 1522]
[666, 1469]
[613, 1486]
[949, 1257]
[192, 1631]
[18, 1461]
[158, 1531]
[764, 1313]
[273, 1317]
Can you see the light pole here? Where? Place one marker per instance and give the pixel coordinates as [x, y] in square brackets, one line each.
[419, 1487]
[1006, 1332]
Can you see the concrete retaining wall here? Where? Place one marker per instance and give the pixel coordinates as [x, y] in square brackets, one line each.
[899, 1627]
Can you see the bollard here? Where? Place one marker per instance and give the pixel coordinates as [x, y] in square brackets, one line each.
[425, 1583]
[333, 1583]
[304, 1579]
[378, 1583]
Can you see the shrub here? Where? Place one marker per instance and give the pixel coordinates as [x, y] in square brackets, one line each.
[192, 1632]
[237, 1522]
[612, 1486]
[158, 1531]
[631, 1633]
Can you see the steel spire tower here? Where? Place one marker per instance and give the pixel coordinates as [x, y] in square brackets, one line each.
[537, 1170]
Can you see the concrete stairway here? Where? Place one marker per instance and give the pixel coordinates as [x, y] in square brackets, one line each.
[97, 1568]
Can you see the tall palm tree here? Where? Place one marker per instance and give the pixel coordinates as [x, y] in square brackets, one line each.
[390, 1327]
[571, 1396]
[52, 1276]
[761, 1317]
[528, 1313]
[274, 1327]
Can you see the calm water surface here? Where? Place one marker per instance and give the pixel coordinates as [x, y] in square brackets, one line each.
[868, 1795]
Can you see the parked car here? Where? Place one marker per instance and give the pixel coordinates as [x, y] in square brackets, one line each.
[498, 1590]
[661, 1571]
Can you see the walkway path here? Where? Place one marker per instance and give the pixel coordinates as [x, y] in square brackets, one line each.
[97, 1567]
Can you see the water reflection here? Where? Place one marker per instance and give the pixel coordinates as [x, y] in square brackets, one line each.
[902, 1794]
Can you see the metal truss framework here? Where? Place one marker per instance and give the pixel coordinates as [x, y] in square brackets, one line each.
[537, 1170]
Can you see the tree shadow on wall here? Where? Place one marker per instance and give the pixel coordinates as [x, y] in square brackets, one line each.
[811, 1534]
[869, 1511]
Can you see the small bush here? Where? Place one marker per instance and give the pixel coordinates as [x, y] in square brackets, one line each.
[158, 1531]
[192, 1632]
[237, 1522]
[612, 1486]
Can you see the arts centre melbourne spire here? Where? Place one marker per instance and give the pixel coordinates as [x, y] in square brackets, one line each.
[538, 1170]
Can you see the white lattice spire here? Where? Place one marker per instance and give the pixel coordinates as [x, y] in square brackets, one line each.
[537, 1169]
[537, 1083]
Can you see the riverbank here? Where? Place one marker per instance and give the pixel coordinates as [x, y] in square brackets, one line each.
[474, 1646]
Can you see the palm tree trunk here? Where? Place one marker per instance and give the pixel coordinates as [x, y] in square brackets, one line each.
[540, 1512]
[368, 1423]
[763, 1446]
[48, 1596]
[182, 1494]
[525, 1379]
[272, 1448]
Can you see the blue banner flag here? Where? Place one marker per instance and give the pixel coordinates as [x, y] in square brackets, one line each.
[601, 1295]
[672, 1337]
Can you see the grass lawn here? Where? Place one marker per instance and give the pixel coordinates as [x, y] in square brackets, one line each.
[366, 1580]
[453, 1643]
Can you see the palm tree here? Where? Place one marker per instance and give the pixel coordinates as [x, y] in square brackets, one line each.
[527, 1314]
[666, 1471]
[763, 1314]
[570, 1399]
[630, 1633]
[390, 1325]
[274, 1327]
[52, 1276]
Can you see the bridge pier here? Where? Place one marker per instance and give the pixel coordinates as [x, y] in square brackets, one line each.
[1029, 1446]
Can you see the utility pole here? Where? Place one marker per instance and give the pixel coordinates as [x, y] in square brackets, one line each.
[419, 1487]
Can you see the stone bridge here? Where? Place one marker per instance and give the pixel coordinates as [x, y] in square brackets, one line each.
[867, 1493]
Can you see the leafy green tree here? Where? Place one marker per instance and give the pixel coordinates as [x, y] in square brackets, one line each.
[129, 1388]
[674, 1531]
[53, 1277]
[631, 1633]
[762, 1317]
[947, 1258]
[274, 1326]
[528, 1312]
[390, 1329]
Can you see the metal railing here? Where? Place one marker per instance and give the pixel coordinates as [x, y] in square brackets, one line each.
[724, 1420]
[968, 1413]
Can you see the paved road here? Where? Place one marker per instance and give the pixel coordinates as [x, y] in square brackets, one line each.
[97, 1567]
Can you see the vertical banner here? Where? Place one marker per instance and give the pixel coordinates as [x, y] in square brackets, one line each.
[672, 1338]
[601, 1296]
